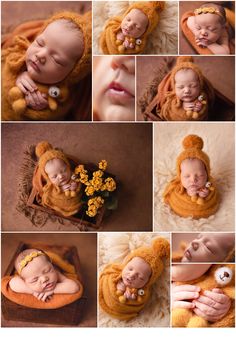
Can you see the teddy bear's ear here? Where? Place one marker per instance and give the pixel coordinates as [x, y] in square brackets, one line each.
[161, 247]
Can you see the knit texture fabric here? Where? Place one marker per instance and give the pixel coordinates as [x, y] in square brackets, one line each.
[110, 276]
[50, 195]
[175, 194]
[13, 63]
[108, 37]
[58, 300]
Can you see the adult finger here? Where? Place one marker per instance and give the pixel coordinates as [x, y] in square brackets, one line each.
[186, 287]
[209, 302]
[183, 305]
[221, 298]
[185, 295]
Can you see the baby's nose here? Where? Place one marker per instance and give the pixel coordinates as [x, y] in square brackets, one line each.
[195, 245]
[44, 278]
[204, 32]
[41, 57]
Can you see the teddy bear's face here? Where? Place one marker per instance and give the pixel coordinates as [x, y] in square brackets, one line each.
[224, 275]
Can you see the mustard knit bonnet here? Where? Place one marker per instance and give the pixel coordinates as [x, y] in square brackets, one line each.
[83, 65]
[193, 145]
[151, 9]
[45, 152]
[153, 256]
[186, 63]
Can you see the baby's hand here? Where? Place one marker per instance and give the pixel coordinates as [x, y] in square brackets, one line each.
[120, 36]
[36, 100]
[188, 105]
[25, 83]
[198, 106]
[43, 296]
[203, 193]
[183, 294]
[213, 305]
[120, 286]
[201, 42]
[192, 191]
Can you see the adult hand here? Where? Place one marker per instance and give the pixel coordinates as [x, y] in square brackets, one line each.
[213, 305]
[182, 296]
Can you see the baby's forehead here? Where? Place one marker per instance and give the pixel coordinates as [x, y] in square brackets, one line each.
[54, 163]
[207, 19]
[186, 74]
[190, 163]
[138, 14]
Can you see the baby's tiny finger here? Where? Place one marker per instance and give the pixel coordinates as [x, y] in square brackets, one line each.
[183, 305]
[185, 295]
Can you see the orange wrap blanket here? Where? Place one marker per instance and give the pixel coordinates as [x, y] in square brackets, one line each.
[108, 294]
[191, 38]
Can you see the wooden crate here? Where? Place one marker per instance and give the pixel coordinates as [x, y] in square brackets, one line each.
[69, 315]
[223, 110]
[80, 219]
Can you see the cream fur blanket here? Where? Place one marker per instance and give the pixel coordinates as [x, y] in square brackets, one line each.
[219, 145]
[114, 247]
[163, 40]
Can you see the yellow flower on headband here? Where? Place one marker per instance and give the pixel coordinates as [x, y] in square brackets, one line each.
[28, 259]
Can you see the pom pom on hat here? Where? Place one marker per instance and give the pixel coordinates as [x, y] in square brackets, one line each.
[42, 147]
[193, 141]
[158, 5]
[185, 59]
[161, 247]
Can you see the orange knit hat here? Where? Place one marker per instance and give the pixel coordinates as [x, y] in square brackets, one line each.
[84, 23]
[193, 145]
[151, 9]
[184, 63]
[153, 256]
[45, 152]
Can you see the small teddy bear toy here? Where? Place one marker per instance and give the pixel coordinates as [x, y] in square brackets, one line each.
[218, 276]
[130, 294]
[199, 102]
[55, 95]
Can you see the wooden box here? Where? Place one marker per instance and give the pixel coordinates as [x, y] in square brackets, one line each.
[69, 315]
[86, 223]
[223, 110]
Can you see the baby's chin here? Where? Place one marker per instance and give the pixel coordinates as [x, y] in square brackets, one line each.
[118, 113]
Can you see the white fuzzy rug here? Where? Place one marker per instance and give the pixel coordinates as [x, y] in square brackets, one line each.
[219, 145]
[114, 247]
[163, 40]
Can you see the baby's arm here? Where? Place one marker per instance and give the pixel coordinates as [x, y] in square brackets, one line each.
[222, 47]
[18, 285]
[65, 285]
[182, 296]
[191, 24]
[120, 36]
[213, 305]
[120, 286]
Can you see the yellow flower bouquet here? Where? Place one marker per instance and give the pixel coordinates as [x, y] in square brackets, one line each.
[99, 188]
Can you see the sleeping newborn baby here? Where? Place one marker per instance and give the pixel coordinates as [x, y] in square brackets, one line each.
[208, 26]
[38, 277]
[39, 77]
[49, 59]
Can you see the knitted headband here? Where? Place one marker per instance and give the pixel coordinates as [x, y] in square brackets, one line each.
[186, 63]
[207, 10]
[83, 66]
[45, 152]
[193, 145]
[28, 258]
[153, 256]
[151, 9]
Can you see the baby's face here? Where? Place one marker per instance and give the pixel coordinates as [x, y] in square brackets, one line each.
[208, 28]
[208, 248]
[40, 275]
[136, 273]
[193, 174]
[134, 23]
[114, 88]
[58, 172]
[187, 85]
[53, 54]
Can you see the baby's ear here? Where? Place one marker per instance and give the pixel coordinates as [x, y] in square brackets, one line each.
[161, 247]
